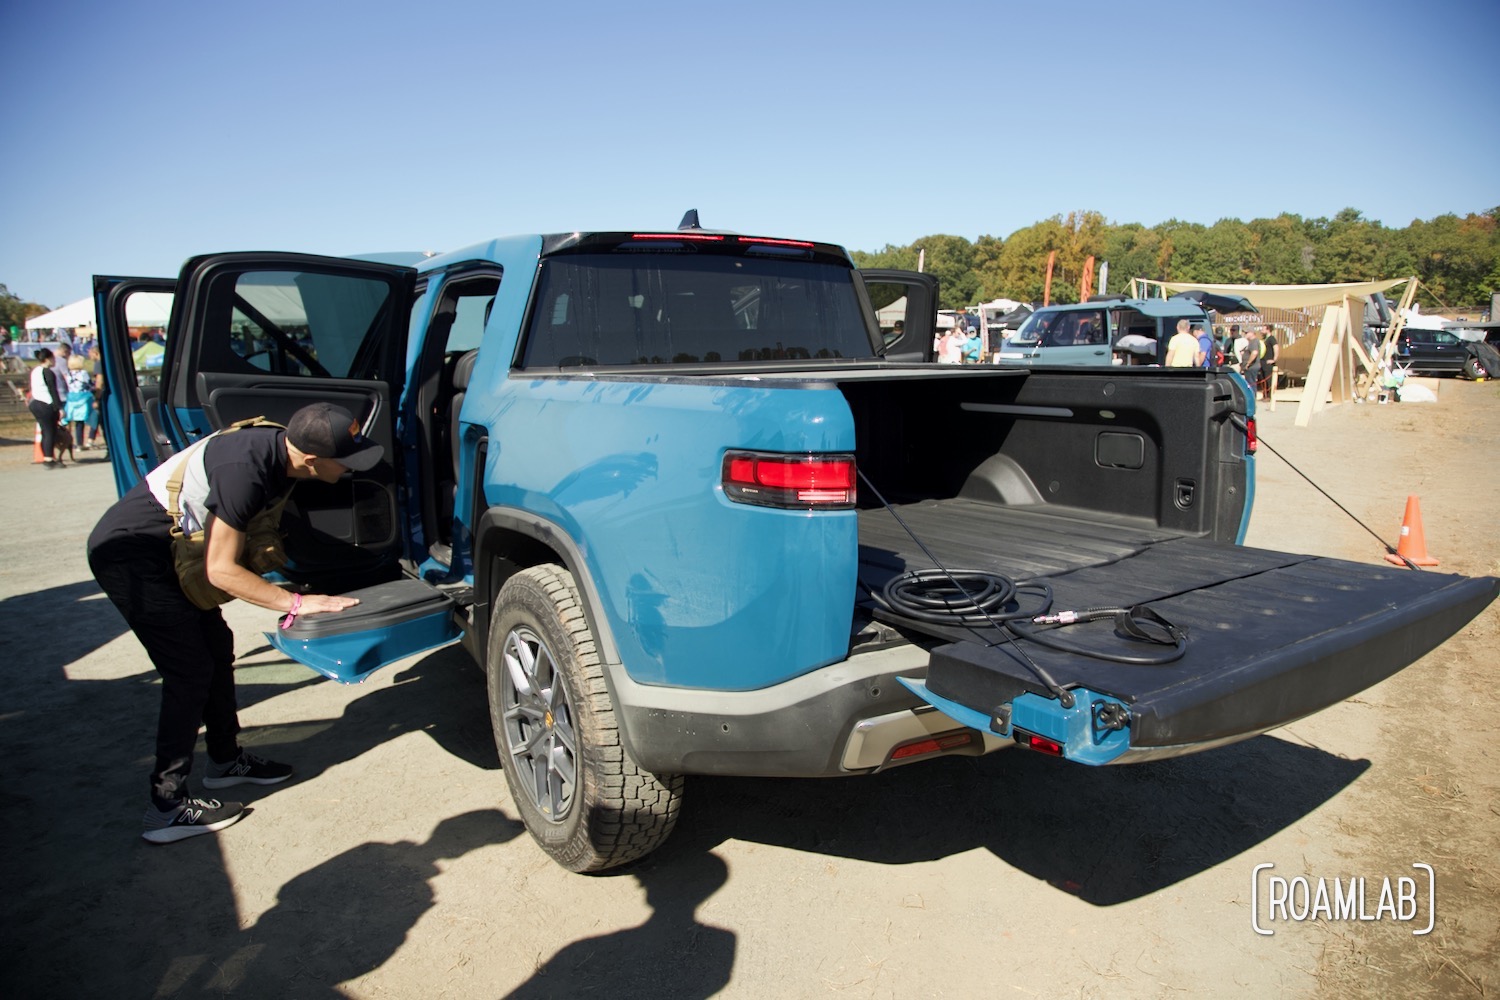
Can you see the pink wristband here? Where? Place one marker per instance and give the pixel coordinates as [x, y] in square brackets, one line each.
[291, 616]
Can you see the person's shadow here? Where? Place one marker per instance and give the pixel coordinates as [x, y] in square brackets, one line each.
[629, 962]
[341, 919]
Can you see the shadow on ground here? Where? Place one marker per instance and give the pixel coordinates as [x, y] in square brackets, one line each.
[1106, 835]
[90, 909]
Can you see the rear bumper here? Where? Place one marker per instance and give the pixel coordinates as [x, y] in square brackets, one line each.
[842, 719]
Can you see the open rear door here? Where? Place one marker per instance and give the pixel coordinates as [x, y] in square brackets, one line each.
[264, 334]
[905, 304]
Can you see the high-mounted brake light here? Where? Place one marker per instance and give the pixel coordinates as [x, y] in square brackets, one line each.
[794, 482]
[698, 237]
[779, 243]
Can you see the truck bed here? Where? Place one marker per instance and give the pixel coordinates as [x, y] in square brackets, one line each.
[1271, 636]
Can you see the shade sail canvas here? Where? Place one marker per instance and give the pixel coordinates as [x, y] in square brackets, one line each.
[1289, 296]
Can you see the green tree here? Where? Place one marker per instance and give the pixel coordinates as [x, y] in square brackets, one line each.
[1019, 269]
[1282, 251]
[1133, 251]
[950, 259]
[1456, 259]
[15, 312]
[1218, 254]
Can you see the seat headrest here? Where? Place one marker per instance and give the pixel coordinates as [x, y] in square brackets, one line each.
[464, 370]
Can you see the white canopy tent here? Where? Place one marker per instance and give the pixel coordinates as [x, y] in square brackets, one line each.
[69, 317]
[141, 309]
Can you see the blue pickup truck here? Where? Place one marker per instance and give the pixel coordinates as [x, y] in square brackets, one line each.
[692, 515]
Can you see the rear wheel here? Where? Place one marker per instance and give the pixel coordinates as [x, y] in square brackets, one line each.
[581, 796]
[1473, 369]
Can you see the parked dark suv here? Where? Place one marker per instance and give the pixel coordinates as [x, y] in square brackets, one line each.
[1432, 352]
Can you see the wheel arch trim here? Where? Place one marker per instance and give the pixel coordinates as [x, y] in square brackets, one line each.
[496, 525]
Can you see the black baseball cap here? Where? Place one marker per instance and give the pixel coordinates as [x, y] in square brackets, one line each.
[324, 430]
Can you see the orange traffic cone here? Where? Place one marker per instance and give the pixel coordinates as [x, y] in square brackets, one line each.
[1413, 544]
[37, 458]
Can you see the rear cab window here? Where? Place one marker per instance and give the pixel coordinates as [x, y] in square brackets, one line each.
[621, 300]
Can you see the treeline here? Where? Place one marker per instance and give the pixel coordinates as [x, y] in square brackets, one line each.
[14, 312]
[1456, 258]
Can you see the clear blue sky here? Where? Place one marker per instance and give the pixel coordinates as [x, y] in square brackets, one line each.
[140, 133]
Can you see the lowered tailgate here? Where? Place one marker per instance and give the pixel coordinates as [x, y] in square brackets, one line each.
[1271, 637]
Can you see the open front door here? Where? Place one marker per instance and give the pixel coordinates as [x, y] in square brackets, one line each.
[262, 334]
[905, 304]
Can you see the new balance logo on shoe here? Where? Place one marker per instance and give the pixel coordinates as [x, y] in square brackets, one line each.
[190, 818]
[247, 768]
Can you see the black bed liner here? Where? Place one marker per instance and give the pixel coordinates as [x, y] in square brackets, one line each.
[1272, 636]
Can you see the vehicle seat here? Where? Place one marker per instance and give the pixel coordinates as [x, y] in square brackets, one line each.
[462, 372]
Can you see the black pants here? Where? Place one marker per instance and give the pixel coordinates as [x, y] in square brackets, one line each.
[46, 418]
[192, 650]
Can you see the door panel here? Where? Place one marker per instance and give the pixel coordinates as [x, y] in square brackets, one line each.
[907, 298]
[266, 334]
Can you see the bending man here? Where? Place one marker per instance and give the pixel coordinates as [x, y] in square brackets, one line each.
[225, 481]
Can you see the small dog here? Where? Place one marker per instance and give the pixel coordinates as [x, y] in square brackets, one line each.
[64, 442]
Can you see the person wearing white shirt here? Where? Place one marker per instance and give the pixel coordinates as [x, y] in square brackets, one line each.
[46, 405]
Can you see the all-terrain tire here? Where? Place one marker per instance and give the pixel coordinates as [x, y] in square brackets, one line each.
[582, 797]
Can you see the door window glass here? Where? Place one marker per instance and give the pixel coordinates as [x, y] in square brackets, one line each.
[146, 315]
[889, 301]
[302, 323]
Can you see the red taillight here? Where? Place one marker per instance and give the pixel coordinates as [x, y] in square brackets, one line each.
[1250, 440]
[790, 481]
[1040, 744]
[700, 237]
[779, 243]
[934, 745]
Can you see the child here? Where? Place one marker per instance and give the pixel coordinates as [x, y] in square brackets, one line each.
[79, 402]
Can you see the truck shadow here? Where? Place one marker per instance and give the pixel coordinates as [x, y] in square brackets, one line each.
[1105, 835]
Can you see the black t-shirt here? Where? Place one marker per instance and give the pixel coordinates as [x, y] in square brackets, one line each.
[1270, 342]
[246, 471]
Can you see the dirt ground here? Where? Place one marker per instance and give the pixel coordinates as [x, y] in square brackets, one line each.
[393, 864]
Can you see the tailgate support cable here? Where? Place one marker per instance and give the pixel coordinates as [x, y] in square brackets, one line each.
[1239, 421]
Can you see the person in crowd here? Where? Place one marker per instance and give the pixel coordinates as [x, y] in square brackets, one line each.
[1250, 361]
[1182, 349]
[227, 479]
[95, 422]
[78, 405]
[950, 346]
[1237, 348]
[1270, 355]
[46, 404]
[1205, 350]
[60, 367]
